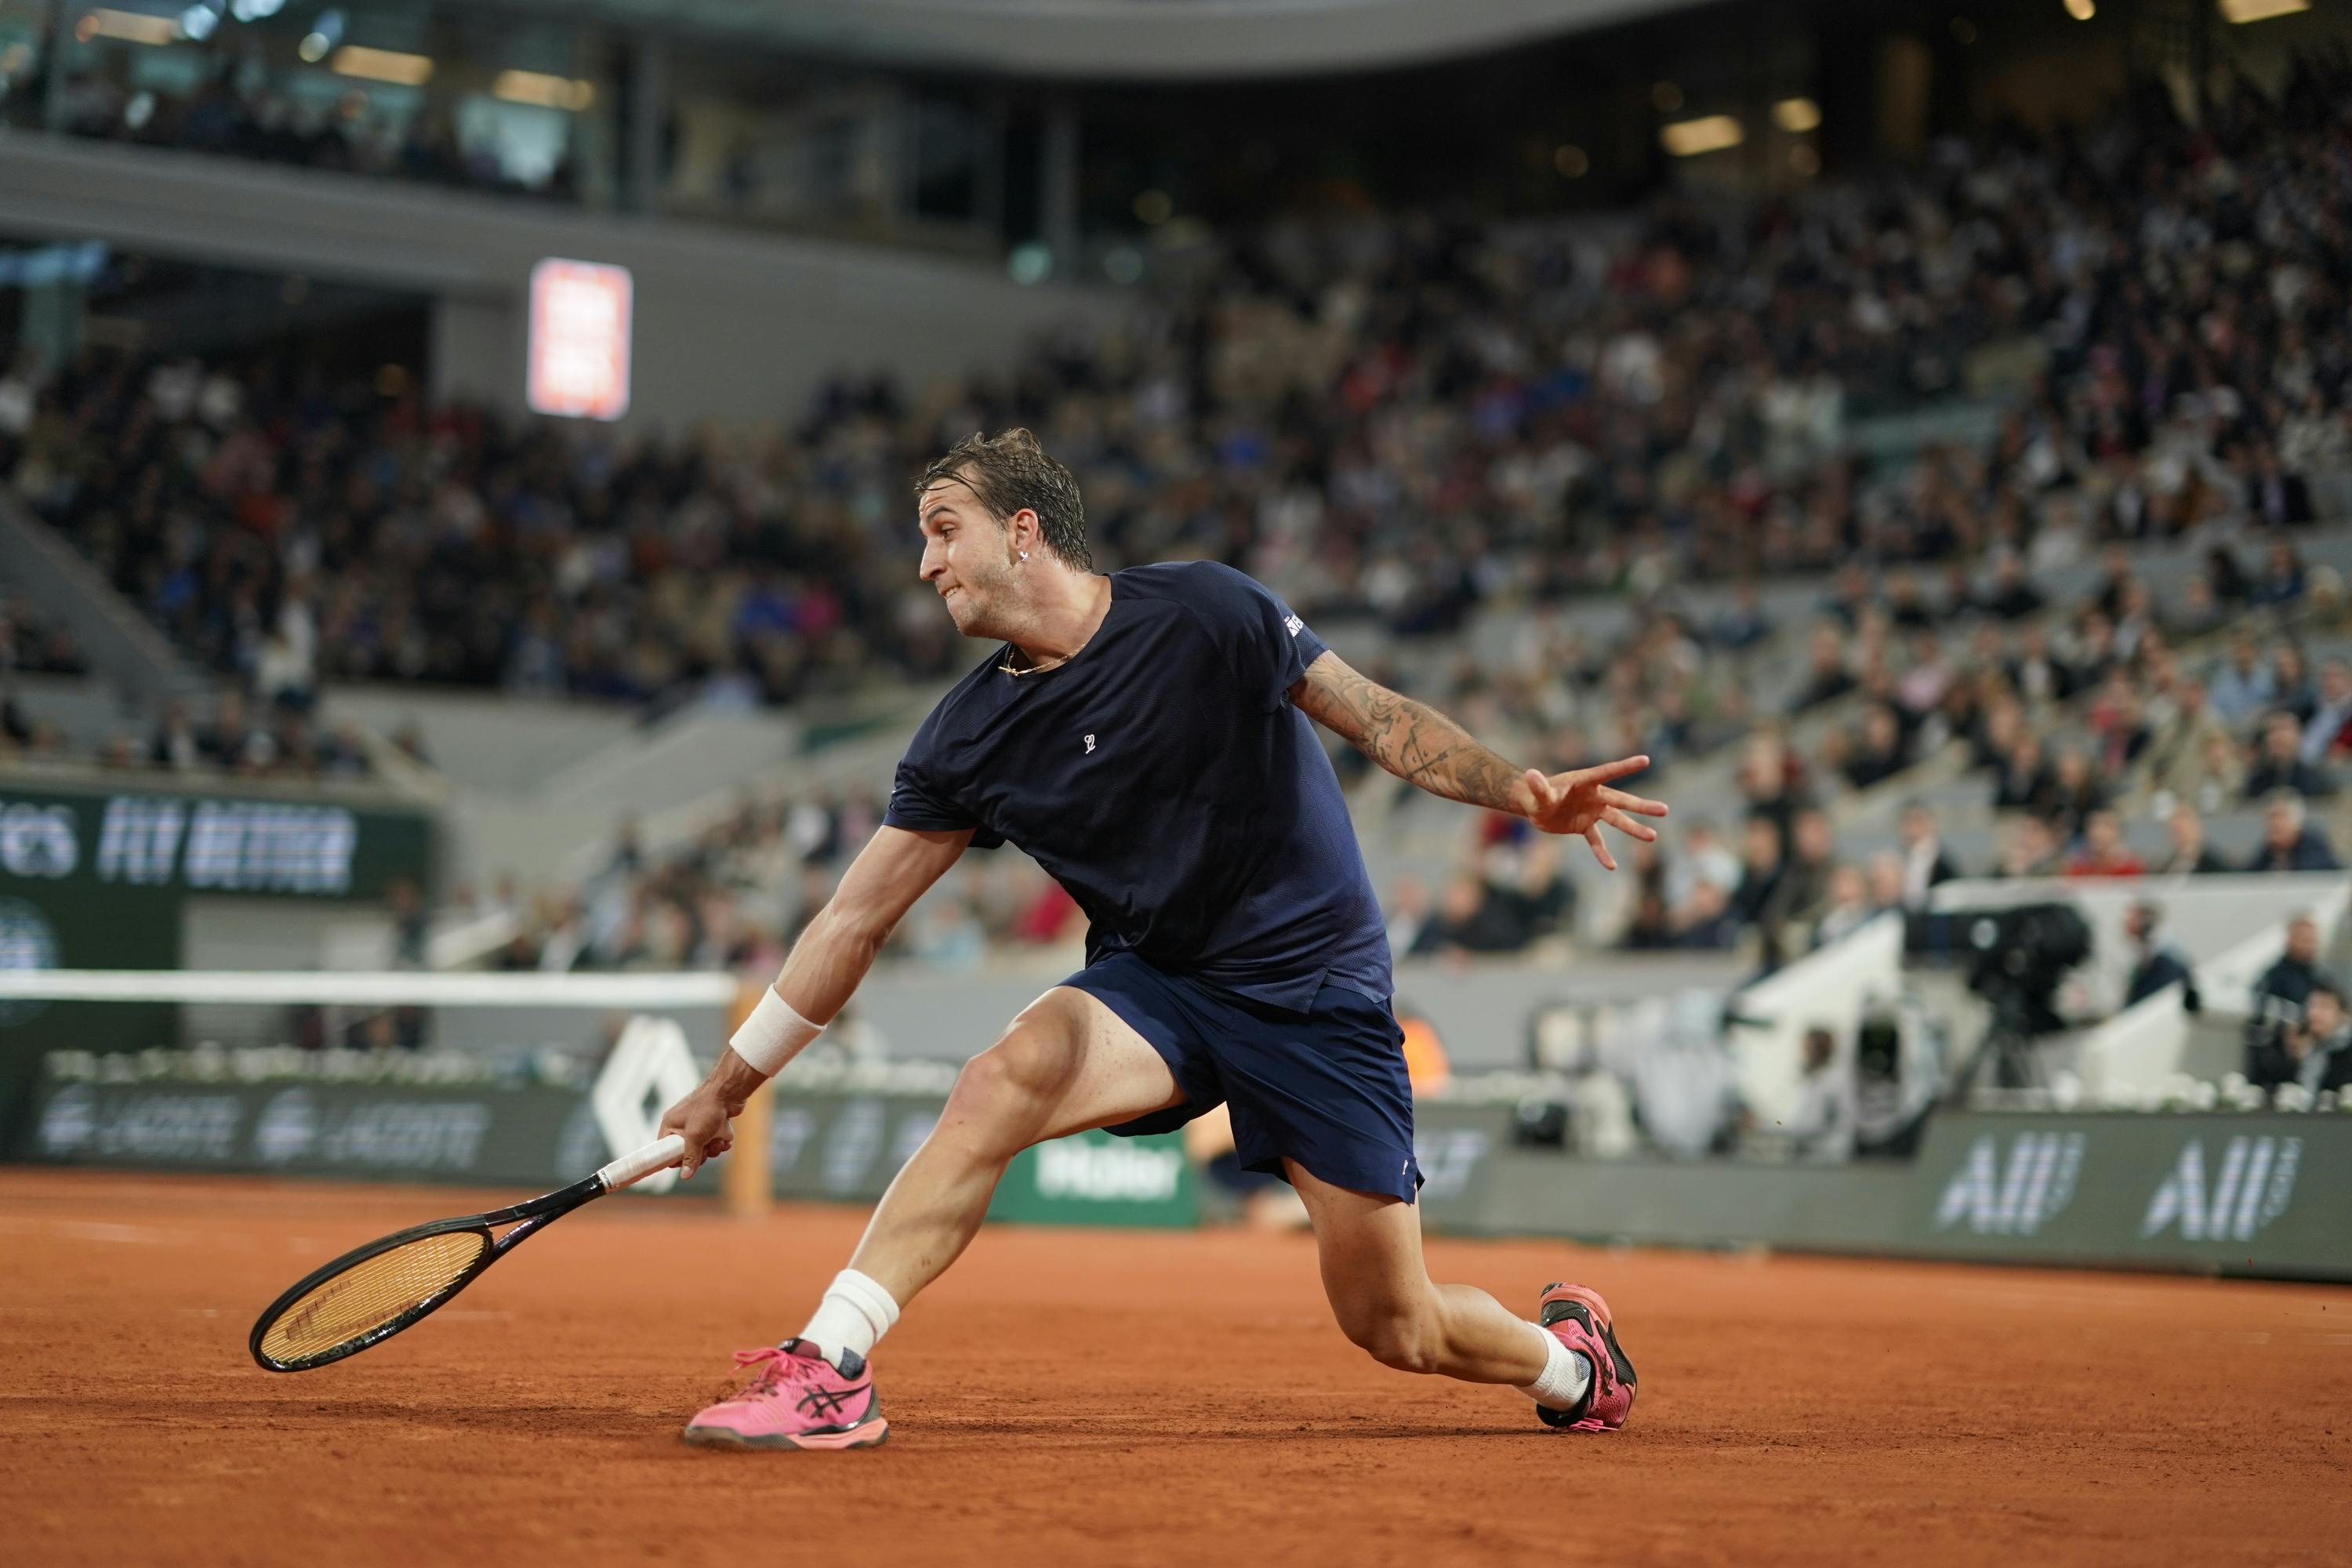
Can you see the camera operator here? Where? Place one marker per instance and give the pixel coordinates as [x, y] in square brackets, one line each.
[2279, 995]
[1896, 1077]
[2315, 1051]
[2156, 964]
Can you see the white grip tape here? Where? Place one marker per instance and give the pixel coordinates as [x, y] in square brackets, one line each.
[773, 1034]
[639, 1164]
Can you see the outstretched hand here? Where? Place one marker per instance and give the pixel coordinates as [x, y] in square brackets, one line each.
[1579, 801]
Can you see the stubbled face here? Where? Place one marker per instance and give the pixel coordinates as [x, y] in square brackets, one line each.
[969, 558]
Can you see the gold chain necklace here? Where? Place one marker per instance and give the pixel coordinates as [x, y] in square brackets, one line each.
[1034, 668]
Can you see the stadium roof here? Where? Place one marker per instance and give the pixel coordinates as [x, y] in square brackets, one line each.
[1158, 40]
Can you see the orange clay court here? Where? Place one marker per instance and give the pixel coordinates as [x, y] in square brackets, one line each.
[1101, 1397]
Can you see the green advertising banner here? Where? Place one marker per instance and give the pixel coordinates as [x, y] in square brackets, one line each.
[525, 1138]
[99, 878]
[1093, 1178]
[2243, 1193]
[2240, 1193]
[132, 840]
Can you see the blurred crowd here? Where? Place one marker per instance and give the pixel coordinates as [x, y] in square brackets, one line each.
[1400, 419]
[737, 894]
[2076, 721]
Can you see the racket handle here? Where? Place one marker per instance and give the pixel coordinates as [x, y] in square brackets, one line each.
[639, 1164]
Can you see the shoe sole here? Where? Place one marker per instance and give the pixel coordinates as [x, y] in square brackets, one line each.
[871, 1435]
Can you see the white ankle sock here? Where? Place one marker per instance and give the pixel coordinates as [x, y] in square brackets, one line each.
[1565, 1377]
[855, 1314]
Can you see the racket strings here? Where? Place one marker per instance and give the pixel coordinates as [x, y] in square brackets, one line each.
[375, 1291]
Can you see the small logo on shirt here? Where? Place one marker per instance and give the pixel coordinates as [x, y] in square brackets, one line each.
[1295, 624]
[1090, 745]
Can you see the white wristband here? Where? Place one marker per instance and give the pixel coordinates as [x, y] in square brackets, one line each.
[774, 1033]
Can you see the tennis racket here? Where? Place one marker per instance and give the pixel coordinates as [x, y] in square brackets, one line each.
[371, 1292]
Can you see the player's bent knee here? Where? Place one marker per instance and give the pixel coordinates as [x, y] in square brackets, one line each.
[1010, 1084]
[1404, 1339]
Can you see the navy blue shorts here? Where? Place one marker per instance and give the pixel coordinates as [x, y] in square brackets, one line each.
[1326, 1088]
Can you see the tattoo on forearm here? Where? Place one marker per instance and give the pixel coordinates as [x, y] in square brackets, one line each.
[1410, 739]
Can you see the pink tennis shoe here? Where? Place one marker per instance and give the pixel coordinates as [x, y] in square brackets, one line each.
[1578, 1319]
[796, 1399]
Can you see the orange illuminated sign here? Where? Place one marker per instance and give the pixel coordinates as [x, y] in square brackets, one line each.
[579, 340]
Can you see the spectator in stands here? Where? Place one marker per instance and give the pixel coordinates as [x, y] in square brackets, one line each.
[176, 744]
[2189, 854]
[2037, 673]
[2174, 760]
[2225, 577]
[1469, 921]
[1702, 856]
[2243, 686]
[1884, 873]
[2012, 597]
[1803, 892]
[1534, 892]
[2118, 727]
[230, 741]
[1760, 869]
[2290, 841]
[2075, 793]
[1924, 864]
[2155, 964]
[1744, 625]
[1408, 914]
[1849, 906]
[949, 937]
[2313, 1052]
[2280, 765]
[2223, 775]
[2276, 497]
[2281, 582]
[30, 644]
[2199, 614]
[1651, 929]
[2025, 783]
[2292, 688]
[2029, 848]
[2103, 852]
[1826, 677]
[1772, 776]
[1706, 923]
[1880, 756]
[2328, 733]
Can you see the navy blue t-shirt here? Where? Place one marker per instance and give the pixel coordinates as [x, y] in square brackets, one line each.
[1163, 777]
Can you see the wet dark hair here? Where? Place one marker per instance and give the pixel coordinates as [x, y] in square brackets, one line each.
[1012, 471]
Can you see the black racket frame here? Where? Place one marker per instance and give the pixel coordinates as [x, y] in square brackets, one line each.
[534, 1215]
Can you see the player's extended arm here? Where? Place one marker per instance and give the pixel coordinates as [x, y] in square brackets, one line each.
[1423, 747]
[897, 867]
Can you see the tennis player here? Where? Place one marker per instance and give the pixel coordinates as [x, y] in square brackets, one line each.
[1144, 736]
